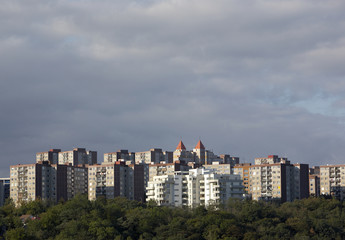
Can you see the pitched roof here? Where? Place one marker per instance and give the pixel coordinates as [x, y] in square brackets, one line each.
[180, 146]
[200, 145]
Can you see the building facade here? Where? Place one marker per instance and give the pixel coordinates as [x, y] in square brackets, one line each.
[46, 181]
[78, 156]
[116, 179]
[4, 190]
[274, 178]
[52, 156]
[193, 188]
[119, 155]
[332, 181]
[243, 170]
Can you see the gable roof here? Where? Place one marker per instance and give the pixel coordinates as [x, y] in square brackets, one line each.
[200, 145]
[180, 146]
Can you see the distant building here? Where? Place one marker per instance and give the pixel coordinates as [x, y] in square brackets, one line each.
[332, 181]
[243, 170]
[46, 181]
[78, 156]
[154, 155]
[314, 181]
[219, 168]
[181, 154]
[200, 156]
[275, 178]
[4, 190]
[119, 155]
[227, 159]
[194, 188]
[52, 156]
[166, 169]
[116, 179]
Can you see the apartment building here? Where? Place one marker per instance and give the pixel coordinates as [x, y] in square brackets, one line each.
[274, 178]
[200, 153]
[119, 155]
[78, 156]
[193, 188]
[52, 156]
[219, 168]
[314, 181]
[314, 185]
[166, 169]
[181, 154]
[154, 155]
[332, 181]
[116, 179]
[4, 190]
[243, 169]
[46, 181]
[227, 159]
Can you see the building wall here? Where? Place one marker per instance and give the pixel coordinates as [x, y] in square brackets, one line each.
[243, 170]
[332, 181]
[278, 181]
[46, 181]
[4, 190]
[193, 188]
[78, 156]
[116, 179]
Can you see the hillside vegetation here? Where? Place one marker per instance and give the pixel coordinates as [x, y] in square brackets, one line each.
[313, 218]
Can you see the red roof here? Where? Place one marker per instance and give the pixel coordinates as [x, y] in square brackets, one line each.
[180, 146]
[200, 145]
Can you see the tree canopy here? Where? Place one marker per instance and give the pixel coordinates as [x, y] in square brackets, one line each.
[122, 219]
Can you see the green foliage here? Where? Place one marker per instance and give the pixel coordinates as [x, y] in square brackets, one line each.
[121, 219]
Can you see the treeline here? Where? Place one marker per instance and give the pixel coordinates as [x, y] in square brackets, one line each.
[313, 218]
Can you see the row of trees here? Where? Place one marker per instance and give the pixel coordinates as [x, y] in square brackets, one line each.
[79, 218]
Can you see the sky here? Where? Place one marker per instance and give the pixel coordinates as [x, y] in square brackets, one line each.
[248, 78]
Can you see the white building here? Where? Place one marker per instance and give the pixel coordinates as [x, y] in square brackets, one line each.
[193, 188]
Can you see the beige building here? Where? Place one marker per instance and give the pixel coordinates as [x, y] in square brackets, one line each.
[243, 170]
[314, 185]
[181, 154]
[78, 156]
[46, 181]
[219, 168]
[154, 155]
[116, 179]
[274, 178]
[52, 156]
[166, 169]
[119, 155]
[332, 181]
[200, 156]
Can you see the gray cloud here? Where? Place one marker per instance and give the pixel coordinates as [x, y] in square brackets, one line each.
[250, 78]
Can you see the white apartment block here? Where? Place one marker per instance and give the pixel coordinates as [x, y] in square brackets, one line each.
[332, 181]
[193, 188]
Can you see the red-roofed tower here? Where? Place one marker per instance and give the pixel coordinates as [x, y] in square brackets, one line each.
[200, 152]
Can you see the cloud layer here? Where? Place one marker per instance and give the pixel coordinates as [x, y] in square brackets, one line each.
[249, 78]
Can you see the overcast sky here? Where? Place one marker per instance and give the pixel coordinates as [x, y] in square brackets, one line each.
[249, 78]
